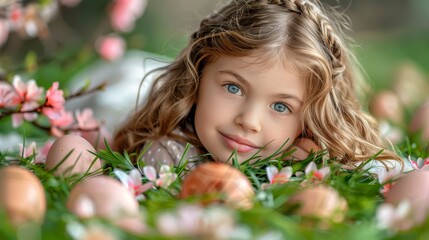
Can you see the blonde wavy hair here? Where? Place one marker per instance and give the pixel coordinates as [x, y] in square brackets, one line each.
[310, 38]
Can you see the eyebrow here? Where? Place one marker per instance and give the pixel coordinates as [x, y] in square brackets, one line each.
[244, 82]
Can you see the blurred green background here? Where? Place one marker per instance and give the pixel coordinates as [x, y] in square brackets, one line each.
[387, 32]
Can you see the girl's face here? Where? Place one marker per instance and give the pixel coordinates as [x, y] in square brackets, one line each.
[248, 107]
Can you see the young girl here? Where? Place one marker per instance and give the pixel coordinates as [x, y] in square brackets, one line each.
[257, 74]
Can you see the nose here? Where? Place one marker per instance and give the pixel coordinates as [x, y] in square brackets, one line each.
[249, 119]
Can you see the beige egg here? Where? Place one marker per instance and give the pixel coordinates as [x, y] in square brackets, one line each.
[78, 162]
[220, 183]
[320, 202]
[22, 195]
[420, 121]
[385, 105]
[102, 196]
[410, 84]
[414, 187]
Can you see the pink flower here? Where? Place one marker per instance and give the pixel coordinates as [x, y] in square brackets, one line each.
[28, 151]
[26, 92]
[38, 154]
[315, 173]
[420, 163]
[89, 128]
[54, 97]
[133, 182]
[97, 137]
[86, 120]
[18, 118]
[62, 120]
[276, 177]
[16, 16]
[125, 12]
[386, 178]
[4, 31]
[7, 95]
[43, 153]
[394, 218]
[166, 177]
[110, 47]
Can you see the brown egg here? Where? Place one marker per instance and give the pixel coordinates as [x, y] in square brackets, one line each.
[385, 105]
[22, 195]
[321, 202]
[107, 196]
[414, 187]
[222, 182]
[79, 160]
[420, 121]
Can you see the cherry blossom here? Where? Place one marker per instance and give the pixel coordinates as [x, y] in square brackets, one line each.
[85, 119]
[7, 94]
[28, 115]
[16, 16]
[110, 47]
[276, 177]
[55, 97]
[43, 152]
[26, 92]
[125, 12]
[28, 151]
[61, 119]
[133, 182]
[166, 177]
[39, 155]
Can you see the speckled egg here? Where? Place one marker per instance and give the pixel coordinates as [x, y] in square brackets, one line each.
[414, 187]
[22, 195]
[320, 201]
[219, 182]
[79, 161]
[102, 196]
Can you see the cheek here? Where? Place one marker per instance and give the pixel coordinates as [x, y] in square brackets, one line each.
[283, 132]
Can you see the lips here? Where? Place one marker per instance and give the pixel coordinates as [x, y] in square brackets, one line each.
[240, 144]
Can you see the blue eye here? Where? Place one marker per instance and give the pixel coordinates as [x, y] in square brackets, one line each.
[280, 107]
[232, 88]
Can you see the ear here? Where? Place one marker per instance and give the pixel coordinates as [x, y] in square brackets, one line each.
[303, 148]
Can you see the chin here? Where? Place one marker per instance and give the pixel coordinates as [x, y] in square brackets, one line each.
[241, 158]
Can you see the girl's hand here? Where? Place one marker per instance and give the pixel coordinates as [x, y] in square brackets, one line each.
[303, 148]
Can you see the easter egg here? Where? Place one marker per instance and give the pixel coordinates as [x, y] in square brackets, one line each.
[220, 183]
[420, 121]
[410, 84]
[77, 154]
[412, 187]
[105, 197]
[385, 105]
[102, 196]
[22, 195]
[321, 202]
